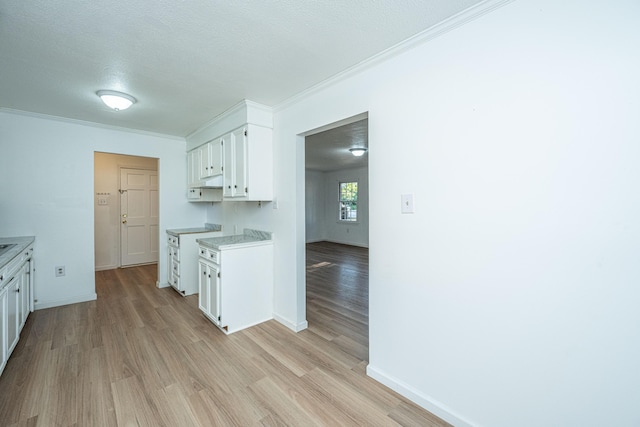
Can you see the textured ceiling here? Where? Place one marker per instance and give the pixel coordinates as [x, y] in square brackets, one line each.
[186, 61]
[329, 150]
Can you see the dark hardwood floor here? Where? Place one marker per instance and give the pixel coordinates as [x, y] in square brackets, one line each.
[143, 356]
[338, 295]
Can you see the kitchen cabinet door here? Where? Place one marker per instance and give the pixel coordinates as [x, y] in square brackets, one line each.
[229, 167]
[239, 139]
[4, 354]
[211, 158]
[203, 287]
[193, 169]
[209, 297]
[13, 321]
[23, 295]
[248, 164]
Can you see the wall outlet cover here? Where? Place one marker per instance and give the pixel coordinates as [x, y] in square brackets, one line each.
[407, 203]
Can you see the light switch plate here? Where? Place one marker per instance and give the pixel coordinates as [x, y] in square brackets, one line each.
[407, 203]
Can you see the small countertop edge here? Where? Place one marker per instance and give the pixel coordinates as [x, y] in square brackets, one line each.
[208, 228]
[249, 238]
[21, 243]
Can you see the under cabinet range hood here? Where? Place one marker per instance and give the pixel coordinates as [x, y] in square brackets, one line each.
[212, 182]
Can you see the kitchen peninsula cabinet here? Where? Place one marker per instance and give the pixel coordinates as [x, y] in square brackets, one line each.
[182, 257]
[236, 280]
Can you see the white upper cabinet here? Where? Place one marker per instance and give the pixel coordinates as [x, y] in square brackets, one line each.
[211, 158]
[234, 151]
[248, 164]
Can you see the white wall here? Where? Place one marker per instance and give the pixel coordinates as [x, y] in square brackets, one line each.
[107, 217]
[321, 211]
[46, 171]
[511, 296]
[315, 206]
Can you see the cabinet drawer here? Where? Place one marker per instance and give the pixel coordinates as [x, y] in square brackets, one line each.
[213, 256]
[174, 253]
[175, 267]
[210, 254]
[175, 281]
[26, 254]
[9, 270]
[173, 241]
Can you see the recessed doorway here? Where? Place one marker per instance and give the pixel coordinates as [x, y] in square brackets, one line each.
[108, 208]
[337, 234]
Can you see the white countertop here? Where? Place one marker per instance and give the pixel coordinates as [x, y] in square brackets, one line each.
[21, 244]
[208, 228]
[248, 238]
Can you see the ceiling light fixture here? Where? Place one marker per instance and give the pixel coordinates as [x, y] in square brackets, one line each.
[358, 151]
[116, 100]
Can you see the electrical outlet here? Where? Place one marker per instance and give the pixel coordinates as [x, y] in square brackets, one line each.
[60, 271]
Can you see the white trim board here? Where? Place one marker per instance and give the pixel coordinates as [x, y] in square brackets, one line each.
[295, 328]
[66, 301]
[430, 33]
[428, 403]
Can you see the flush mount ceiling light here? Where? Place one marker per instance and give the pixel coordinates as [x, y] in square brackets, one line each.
[116, 100]
[358, 151]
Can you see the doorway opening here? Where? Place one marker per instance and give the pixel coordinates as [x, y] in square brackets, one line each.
[337, 233]
[126, 213]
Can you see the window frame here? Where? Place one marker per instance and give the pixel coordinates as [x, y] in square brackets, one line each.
[353, 201]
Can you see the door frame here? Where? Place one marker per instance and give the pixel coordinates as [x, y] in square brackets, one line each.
[301, 226]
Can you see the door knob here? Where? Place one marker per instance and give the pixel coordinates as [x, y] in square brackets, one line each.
[124, 221]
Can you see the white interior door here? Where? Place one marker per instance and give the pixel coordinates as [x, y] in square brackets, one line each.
[138, 216]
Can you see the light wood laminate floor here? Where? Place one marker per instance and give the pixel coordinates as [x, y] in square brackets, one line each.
[142, 356]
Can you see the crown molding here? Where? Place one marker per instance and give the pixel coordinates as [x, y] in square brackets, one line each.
[89, 124]
[451, 23]
[241, 106]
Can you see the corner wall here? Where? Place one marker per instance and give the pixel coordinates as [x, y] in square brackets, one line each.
[510, 297]
[47, 181]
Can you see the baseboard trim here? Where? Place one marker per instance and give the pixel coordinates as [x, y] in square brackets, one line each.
[291, 325]
[66, 301]
[427, 402]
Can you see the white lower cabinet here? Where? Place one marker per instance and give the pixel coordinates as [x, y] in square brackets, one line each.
[182, 258]
[16, 301]
[236, 285]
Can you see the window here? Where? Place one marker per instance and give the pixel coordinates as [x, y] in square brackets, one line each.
[348, 203]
